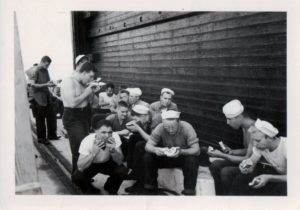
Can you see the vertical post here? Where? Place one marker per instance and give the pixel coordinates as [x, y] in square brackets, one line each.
[25, 166]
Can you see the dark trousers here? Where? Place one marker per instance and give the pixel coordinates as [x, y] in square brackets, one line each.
[45, 114]
[132, 154]
[137, 161]
[116, 173]
[76, 123]
[216, 168]
[188, 164]
[240, 185]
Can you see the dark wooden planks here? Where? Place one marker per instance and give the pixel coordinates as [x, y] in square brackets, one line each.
[208, 59]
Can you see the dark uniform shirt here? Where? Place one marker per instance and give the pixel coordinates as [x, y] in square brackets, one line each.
[40, 76]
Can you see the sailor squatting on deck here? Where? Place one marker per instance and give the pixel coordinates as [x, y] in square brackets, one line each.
[147, 137]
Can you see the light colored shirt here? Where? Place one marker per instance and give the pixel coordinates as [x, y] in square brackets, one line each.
[276, 158]
[87, 143]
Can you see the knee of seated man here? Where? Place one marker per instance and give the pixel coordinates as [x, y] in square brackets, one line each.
[216, 165]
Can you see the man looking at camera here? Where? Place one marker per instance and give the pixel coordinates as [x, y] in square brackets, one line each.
[100, 152]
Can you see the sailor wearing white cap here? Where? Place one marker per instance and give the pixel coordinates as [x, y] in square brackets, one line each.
[81, 59]
[135, 97]
[224, 171]
[165, 103]
[140, 128]
[268, 178]
[172, 143]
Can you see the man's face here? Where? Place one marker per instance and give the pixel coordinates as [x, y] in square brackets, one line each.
[133, 99]
[124, 97]
[109, 91]
[165, 99]
[45, 65]
[171, 125]
[87, 77]
[103, 133]
[234, 122]
[143, 118]
[260, 141]
[122, 112]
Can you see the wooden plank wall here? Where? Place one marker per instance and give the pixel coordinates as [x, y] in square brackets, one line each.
[206, 58]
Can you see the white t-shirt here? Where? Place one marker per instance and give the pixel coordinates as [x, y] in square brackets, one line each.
[103, 155]
[108, 100]
[277, 158]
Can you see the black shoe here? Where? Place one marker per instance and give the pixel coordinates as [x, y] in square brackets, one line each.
[131, 176]
[188, 192]
[153, 192]
[43, 141]
[135, 188]
[54, 137]
[93, 191]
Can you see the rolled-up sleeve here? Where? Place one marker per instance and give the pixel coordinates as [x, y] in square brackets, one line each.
[191, 135]
[157, 133]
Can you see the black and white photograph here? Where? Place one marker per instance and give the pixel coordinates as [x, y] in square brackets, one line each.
[137, 104]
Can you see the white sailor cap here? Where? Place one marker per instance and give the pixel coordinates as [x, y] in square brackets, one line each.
[79, 57]
[233, 108]
[266, 128]
[167, 90]
[170, 114]
[140, 109]
[134, 91]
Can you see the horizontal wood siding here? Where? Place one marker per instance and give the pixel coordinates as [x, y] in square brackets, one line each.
[208, 59]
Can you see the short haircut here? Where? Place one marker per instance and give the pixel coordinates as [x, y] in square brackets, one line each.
[110, 85]
[87, 67]
[124, 91]
[98, 122]
[123, 104]
[46, 59]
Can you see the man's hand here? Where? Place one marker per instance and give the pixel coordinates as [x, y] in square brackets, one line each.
[215, 153]
[176, 153]
[98, 144]
[259, 181]
[159, 151]
[111, 144]
[51, 84]
[132, 126]
[246, 166]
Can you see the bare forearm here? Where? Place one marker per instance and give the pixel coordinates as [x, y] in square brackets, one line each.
[239, 152]
[233, 158]
[85, 162]
[150, 148]
[117, 157]
[190, 151]
[39, 85]
[277, 178]
[81, 98]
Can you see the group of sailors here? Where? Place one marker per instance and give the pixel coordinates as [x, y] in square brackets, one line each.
[132, 139]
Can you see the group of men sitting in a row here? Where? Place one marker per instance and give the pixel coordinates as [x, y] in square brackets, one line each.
[132, 139]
